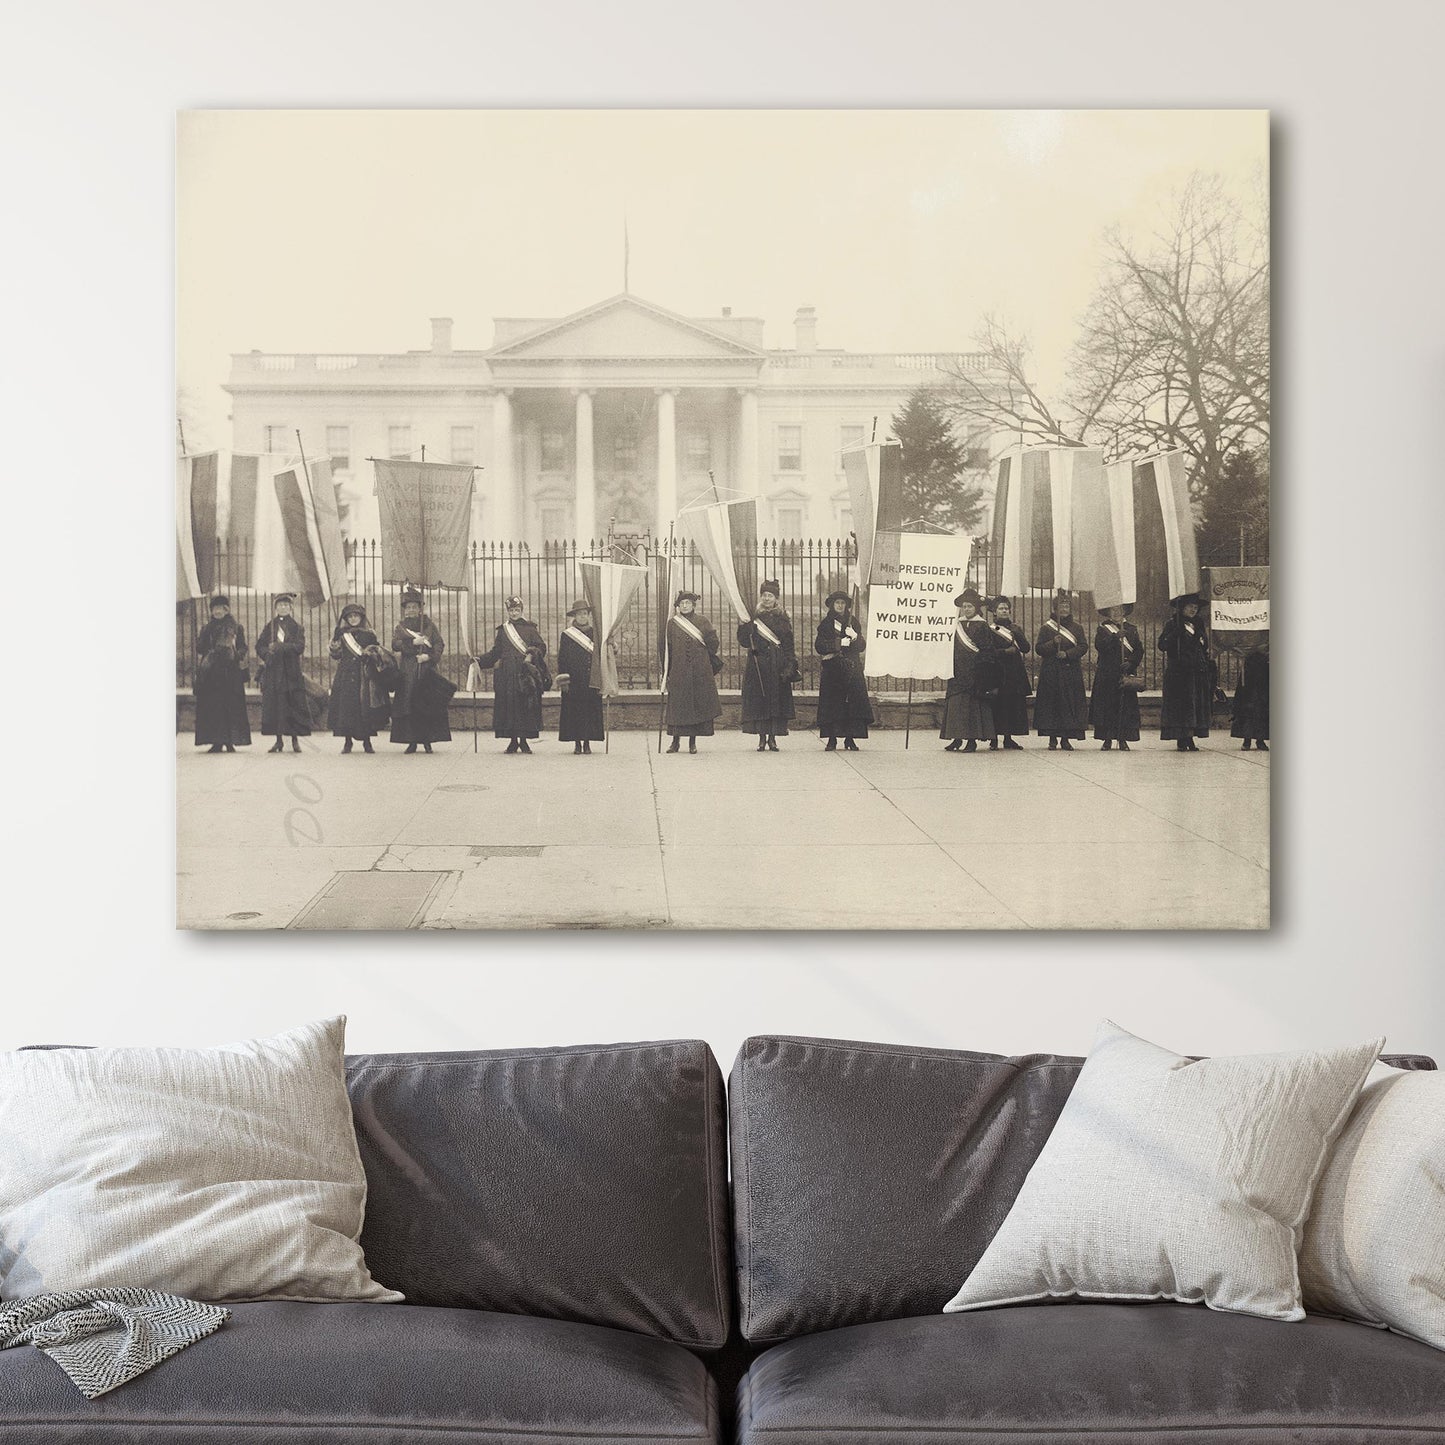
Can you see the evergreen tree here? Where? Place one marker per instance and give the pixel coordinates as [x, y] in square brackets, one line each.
[1234, 525]
[937, 489]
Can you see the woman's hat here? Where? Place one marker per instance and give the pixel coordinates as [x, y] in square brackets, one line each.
[220, 600]
[353, 607]
[686, 596]
[833, 597]
[1127, 608]
[994, 603]
[771, 585]
[411, 595]
[969, 594]
[283, 597]
[580, 605]
[516, 602]
[1063, 595]
[1185, 598]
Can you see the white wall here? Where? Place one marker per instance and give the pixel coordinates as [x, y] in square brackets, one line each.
[1357, 943]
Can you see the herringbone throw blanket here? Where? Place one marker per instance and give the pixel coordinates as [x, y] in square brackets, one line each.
[103, 1337]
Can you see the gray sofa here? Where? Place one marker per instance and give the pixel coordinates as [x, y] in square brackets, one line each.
[559, 1221]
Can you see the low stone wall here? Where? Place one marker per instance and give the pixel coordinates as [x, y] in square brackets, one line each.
[639, 710]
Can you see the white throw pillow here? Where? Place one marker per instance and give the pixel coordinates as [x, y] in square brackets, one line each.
[1167, 1178]
[221, 1174]
[1374, 1244]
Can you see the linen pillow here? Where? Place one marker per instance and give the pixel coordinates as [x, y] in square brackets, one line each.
[222, 1174]
[1171, 1178]
[1374, 1243]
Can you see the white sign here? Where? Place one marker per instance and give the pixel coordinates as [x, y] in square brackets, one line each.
[915, 577]
[1235, 615]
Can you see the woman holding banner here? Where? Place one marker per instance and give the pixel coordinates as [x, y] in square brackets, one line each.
[581, 722]
[1061, 708]
[844, 709]
[359, 704]
[1188, 676]
[419, 712]
[968, 703]
[693, 661]
[770, 670]
[1114, 703]
[520, 658]
[1011, 706]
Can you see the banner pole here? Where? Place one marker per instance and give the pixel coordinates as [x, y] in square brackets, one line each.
[908, 717]
[666, 639]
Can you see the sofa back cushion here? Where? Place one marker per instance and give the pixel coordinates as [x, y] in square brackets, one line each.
[869, 1178]
[572, 1183]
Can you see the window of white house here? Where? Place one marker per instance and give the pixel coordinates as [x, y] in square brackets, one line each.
[790, 523]
[697, 451]
[975, 448]
[624, 451]
[398, 441]
[464, 444]
[790, 449]
[555, 456]
[338, 447]
[845, 521]
[277, 438]
[850, 436]
[554, 523]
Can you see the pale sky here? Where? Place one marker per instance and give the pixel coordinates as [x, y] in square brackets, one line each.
[346, 230]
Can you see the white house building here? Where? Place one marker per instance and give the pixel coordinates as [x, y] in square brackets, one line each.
[608, 419]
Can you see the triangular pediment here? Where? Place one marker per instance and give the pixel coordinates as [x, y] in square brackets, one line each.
[622, 328]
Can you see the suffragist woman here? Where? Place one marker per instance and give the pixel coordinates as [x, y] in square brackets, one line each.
[221, 720]
[1188, 676]
[1061, 709]
[769, 669]
[581, 722]
[693, 661]
[1114, 702]
[844, 709]
[968, 703]
[1251, 700]
[1011, 646]
[359, 704]
[419, 710]
[280, 646]
[519, 656]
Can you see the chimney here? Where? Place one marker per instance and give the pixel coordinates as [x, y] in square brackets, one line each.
[806, 323]
[441, 335]
[727, 310]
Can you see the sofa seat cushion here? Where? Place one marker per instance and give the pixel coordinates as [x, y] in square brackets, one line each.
[323, 1374]
[1108, 1374]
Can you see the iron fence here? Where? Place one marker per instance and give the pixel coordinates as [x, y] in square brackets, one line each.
[546, 578]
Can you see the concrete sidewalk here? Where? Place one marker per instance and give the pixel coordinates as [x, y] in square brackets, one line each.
[881, 838]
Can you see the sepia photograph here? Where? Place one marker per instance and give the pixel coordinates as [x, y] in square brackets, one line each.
[723, 519]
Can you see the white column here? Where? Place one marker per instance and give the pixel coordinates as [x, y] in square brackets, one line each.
[504, 485]
[747, 462]
[586, 472]
[666, 458]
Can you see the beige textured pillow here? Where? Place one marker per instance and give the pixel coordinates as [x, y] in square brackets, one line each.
[1171, 1179]
[222, 1174]
[1374, 1244]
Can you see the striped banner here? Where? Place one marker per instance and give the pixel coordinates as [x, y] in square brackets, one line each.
[875, 493]
[188, 584]
[726, 536]
[205, 505]
[609, 588]
[1035, 520]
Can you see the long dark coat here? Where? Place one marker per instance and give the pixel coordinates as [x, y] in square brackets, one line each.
[1188, 680]
[768, 673]
[284, 710]
[359, 704]
[221, 685]
[1114, 708]
[1061, 710]
[1251, 698]
[844, 709]
[581, 719]
[419, 714]
[968, 703]
[1011, 706]
[519, 681]
[692, 666]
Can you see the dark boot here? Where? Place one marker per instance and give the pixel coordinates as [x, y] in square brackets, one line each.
[1244, 746]
[1108, 743]
[831, 746]
[772, 742]
[230, 747]
[692, 745]
[1053, 744]
[577, 748]
[521, 747]
[346, 746]
[955, 746]
[278, 746]
[1261, 745]
[1181, 745]
[993, 745]
[426, 747]
[411, 748]
[849, 746]
[1192, 746]
[216, 748]
[511, 745]
[971, 746]
[673, 745]
[295, 743]
[1123, 746]
[1067, 746]
[366, 746]
[762, 742]
[1010, 746]
[587, 746]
